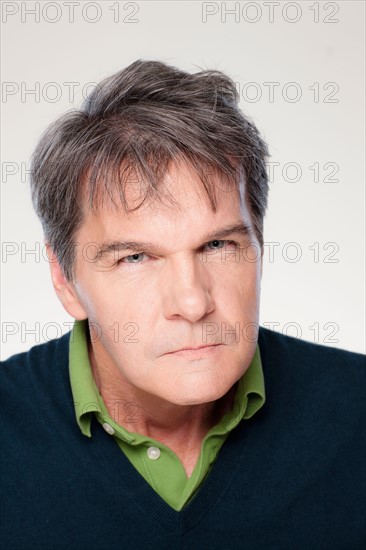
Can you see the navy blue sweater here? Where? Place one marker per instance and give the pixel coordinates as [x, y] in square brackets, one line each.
[292, 477]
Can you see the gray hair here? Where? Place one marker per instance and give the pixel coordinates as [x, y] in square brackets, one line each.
[137, 121]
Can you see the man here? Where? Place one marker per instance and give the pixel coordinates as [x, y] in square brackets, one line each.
[167, 417]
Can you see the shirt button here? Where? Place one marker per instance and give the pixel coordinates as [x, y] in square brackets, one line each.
[153, 453]
[108, 428]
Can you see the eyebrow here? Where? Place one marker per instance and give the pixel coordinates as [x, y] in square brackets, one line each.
[109, 247]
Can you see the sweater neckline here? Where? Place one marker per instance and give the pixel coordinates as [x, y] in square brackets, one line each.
[124, 475]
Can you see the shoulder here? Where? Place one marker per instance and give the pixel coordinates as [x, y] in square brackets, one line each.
[290, 362]
[31, 380]
[302, 351]
[37, 358]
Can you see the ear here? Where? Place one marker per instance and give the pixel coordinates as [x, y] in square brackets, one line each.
[262, 252]
[64, 289]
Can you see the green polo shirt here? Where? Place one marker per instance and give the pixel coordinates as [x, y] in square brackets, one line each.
[156, 462]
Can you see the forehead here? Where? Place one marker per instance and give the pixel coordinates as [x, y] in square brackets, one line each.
[181, 205]
[179, 188]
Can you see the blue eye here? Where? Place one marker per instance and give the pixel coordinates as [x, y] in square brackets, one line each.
[136, 258]
[132, 256]
[216, 241]
[221, 244]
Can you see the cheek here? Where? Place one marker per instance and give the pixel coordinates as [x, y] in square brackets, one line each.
[125, 319]
[240, 284]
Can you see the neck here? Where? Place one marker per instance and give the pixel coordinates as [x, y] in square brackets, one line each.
[152, 416]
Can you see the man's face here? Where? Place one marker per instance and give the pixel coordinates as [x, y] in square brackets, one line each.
[191, 290]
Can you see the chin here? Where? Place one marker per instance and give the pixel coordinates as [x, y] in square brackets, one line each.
[193, 392]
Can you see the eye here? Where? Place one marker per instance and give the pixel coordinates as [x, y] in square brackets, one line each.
[219, 244]
[138, 257]
[133, 257]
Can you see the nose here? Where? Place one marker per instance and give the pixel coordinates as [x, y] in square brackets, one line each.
[186, 290]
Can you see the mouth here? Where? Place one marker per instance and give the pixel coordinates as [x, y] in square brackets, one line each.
[195, 350]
